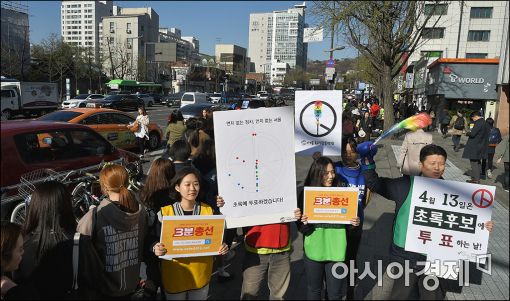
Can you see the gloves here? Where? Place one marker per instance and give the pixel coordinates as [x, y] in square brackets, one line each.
[367, 150]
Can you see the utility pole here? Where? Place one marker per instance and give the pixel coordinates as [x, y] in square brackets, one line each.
[460, 28]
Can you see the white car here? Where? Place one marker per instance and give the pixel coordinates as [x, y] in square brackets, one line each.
[80, 101]
[148, 100]
[262, 95]
[215, 97]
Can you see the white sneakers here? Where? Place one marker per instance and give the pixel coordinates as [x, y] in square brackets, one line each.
[489, 174]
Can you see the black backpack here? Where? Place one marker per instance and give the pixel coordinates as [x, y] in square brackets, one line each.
[459, 124]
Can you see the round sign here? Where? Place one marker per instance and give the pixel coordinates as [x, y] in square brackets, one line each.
[317, 128]
[482, 198]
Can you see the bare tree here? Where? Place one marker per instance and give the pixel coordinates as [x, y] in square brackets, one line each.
[120, 58]
[384, 32]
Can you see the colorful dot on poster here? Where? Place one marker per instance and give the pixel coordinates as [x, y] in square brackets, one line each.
[237, 158]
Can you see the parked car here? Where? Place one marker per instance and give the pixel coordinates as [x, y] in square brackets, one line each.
[119, 102]
[157, 97]
[263, 95]
[29, 145]
[111, 124]
[248, 103]
[80, 101]
[147, 99]
[172, 99]
[194, 110]
[215, 97]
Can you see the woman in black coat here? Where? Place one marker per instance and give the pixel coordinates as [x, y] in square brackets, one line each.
[476, 147]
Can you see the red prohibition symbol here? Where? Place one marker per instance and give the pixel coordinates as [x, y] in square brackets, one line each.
[482, 198]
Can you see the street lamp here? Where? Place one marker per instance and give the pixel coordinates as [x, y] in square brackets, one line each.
[331, 50]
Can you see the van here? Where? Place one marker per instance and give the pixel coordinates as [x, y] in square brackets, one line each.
[189, 98]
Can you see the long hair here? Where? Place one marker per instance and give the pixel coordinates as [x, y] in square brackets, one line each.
[115, 178]
[317, 172]
[10, 233]
[179, 176]
[144, 112]
[159, 178]
[50, 216]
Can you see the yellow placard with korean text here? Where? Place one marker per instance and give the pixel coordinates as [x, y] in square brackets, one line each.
[331, 205]
[192, 236]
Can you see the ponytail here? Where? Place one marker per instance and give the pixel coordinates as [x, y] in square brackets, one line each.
[127, 200]
[115, 178]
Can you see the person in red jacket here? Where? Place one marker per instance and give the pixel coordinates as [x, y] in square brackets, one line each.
[267, 252]
[374, 113]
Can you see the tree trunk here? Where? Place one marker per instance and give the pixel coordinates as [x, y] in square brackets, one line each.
[387, 92]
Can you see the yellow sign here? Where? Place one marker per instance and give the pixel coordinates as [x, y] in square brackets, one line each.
[192, 236]
[331, 205]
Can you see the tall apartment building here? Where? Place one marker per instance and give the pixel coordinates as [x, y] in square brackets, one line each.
[128, 41]
[277, 37]
[194, 42]
[465, 29]
[15, 46]
[80, 22]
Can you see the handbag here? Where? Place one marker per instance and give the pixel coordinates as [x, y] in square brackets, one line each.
[134, 128]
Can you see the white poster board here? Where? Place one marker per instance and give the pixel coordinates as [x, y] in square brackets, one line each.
[447, 219]
[256, 165]
[313, 34]
[318, 122]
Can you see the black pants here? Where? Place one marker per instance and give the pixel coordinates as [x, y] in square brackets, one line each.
[488, 163]
[401, 291]
[353, 242]
[444, 129]
[140, 142]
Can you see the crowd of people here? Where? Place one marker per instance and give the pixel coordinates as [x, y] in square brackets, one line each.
[40, 261]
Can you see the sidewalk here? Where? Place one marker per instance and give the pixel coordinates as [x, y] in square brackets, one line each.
[376, 239]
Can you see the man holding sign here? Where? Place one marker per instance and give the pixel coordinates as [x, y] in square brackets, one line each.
[400, 190]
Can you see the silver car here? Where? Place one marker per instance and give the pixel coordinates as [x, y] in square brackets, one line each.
[147, 99]
[80, 101]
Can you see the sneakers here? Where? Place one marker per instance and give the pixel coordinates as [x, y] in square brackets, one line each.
[223, 275]
[489, 174]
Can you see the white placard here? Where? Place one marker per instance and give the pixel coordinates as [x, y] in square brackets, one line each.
[447, 219]
[318, 122]
[256, 165]
[313, 34]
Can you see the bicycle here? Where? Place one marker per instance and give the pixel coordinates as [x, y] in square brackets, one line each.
[29, 181]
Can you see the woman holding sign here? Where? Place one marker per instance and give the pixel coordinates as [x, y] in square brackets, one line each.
[324, 244]
[187, 278]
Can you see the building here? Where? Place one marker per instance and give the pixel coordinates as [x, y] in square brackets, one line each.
[129, 41]
[81, 22]
[460, 84]
[194, 42]
[464, 29]
[233, 60]
[502, 82]
[277, 37]
[15, 47]
[185, 50]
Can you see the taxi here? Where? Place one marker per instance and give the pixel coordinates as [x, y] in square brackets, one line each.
[111, 124]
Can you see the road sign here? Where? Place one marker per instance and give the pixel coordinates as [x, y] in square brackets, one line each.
[330, 63]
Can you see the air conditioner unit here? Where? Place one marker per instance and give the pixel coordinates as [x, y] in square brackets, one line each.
[128, 30]
[112, 30]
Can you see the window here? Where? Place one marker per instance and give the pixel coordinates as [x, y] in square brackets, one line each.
[476, 55]
[7, 93]
[432, 33]
[128, 27]
[479, 35]
[112, 26]
[121, 119]
[481, 12]
[435, 9]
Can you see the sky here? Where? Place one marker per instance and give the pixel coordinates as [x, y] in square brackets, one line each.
[211, 22]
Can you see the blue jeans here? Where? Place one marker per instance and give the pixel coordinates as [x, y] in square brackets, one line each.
[456, 141]
[315, 273]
